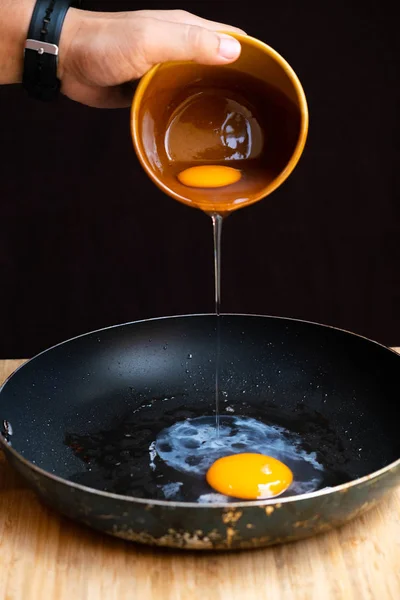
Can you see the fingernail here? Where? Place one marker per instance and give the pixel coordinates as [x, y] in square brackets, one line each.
[228, 47]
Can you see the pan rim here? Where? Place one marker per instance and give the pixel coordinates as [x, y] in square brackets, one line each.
[212, 505]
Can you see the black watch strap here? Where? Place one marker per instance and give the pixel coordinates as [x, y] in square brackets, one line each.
[41, 49]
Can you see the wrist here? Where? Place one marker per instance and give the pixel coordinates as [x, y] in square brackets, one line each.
[15, 16]
[75, 21]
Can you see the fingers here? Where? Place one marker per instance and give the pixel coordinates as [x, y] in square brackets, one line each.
[187, 18]
[110, 49]
[166, 41]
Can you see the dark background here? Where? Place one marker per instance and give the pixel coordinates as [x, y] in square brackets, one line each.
[86, 240]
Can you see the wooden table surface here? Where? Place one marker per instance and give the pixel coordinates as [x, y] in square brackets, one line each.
[45, 556]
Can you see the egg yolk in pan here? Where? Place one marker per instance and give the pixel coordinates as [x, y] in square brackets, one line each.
[209, 176]
[249, 476]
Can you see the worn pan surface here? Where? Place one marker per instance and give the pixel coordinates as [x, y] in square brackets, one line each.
[337, 390]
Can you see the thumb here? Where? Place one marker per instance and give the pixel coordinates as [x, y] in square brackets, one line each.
[164, 41]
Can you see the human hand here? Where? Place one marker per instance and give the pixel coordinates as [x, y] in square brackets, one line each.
[102, 53]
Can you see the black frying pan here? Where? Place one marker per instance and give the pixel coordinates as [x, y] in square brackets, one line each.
[77, 417]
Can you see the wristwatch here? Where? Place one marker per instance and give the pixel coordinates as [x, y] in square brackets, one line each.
[41, 48]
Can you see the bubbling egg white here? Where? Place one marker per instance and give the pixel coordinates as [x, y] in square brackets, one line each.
[192, 446]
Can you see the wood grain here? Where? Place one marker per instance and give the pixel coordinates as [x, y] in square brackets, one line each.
[45, 556]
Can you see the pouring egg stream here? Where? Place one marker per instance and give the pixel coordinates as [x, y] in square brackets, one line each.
[219, 139]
